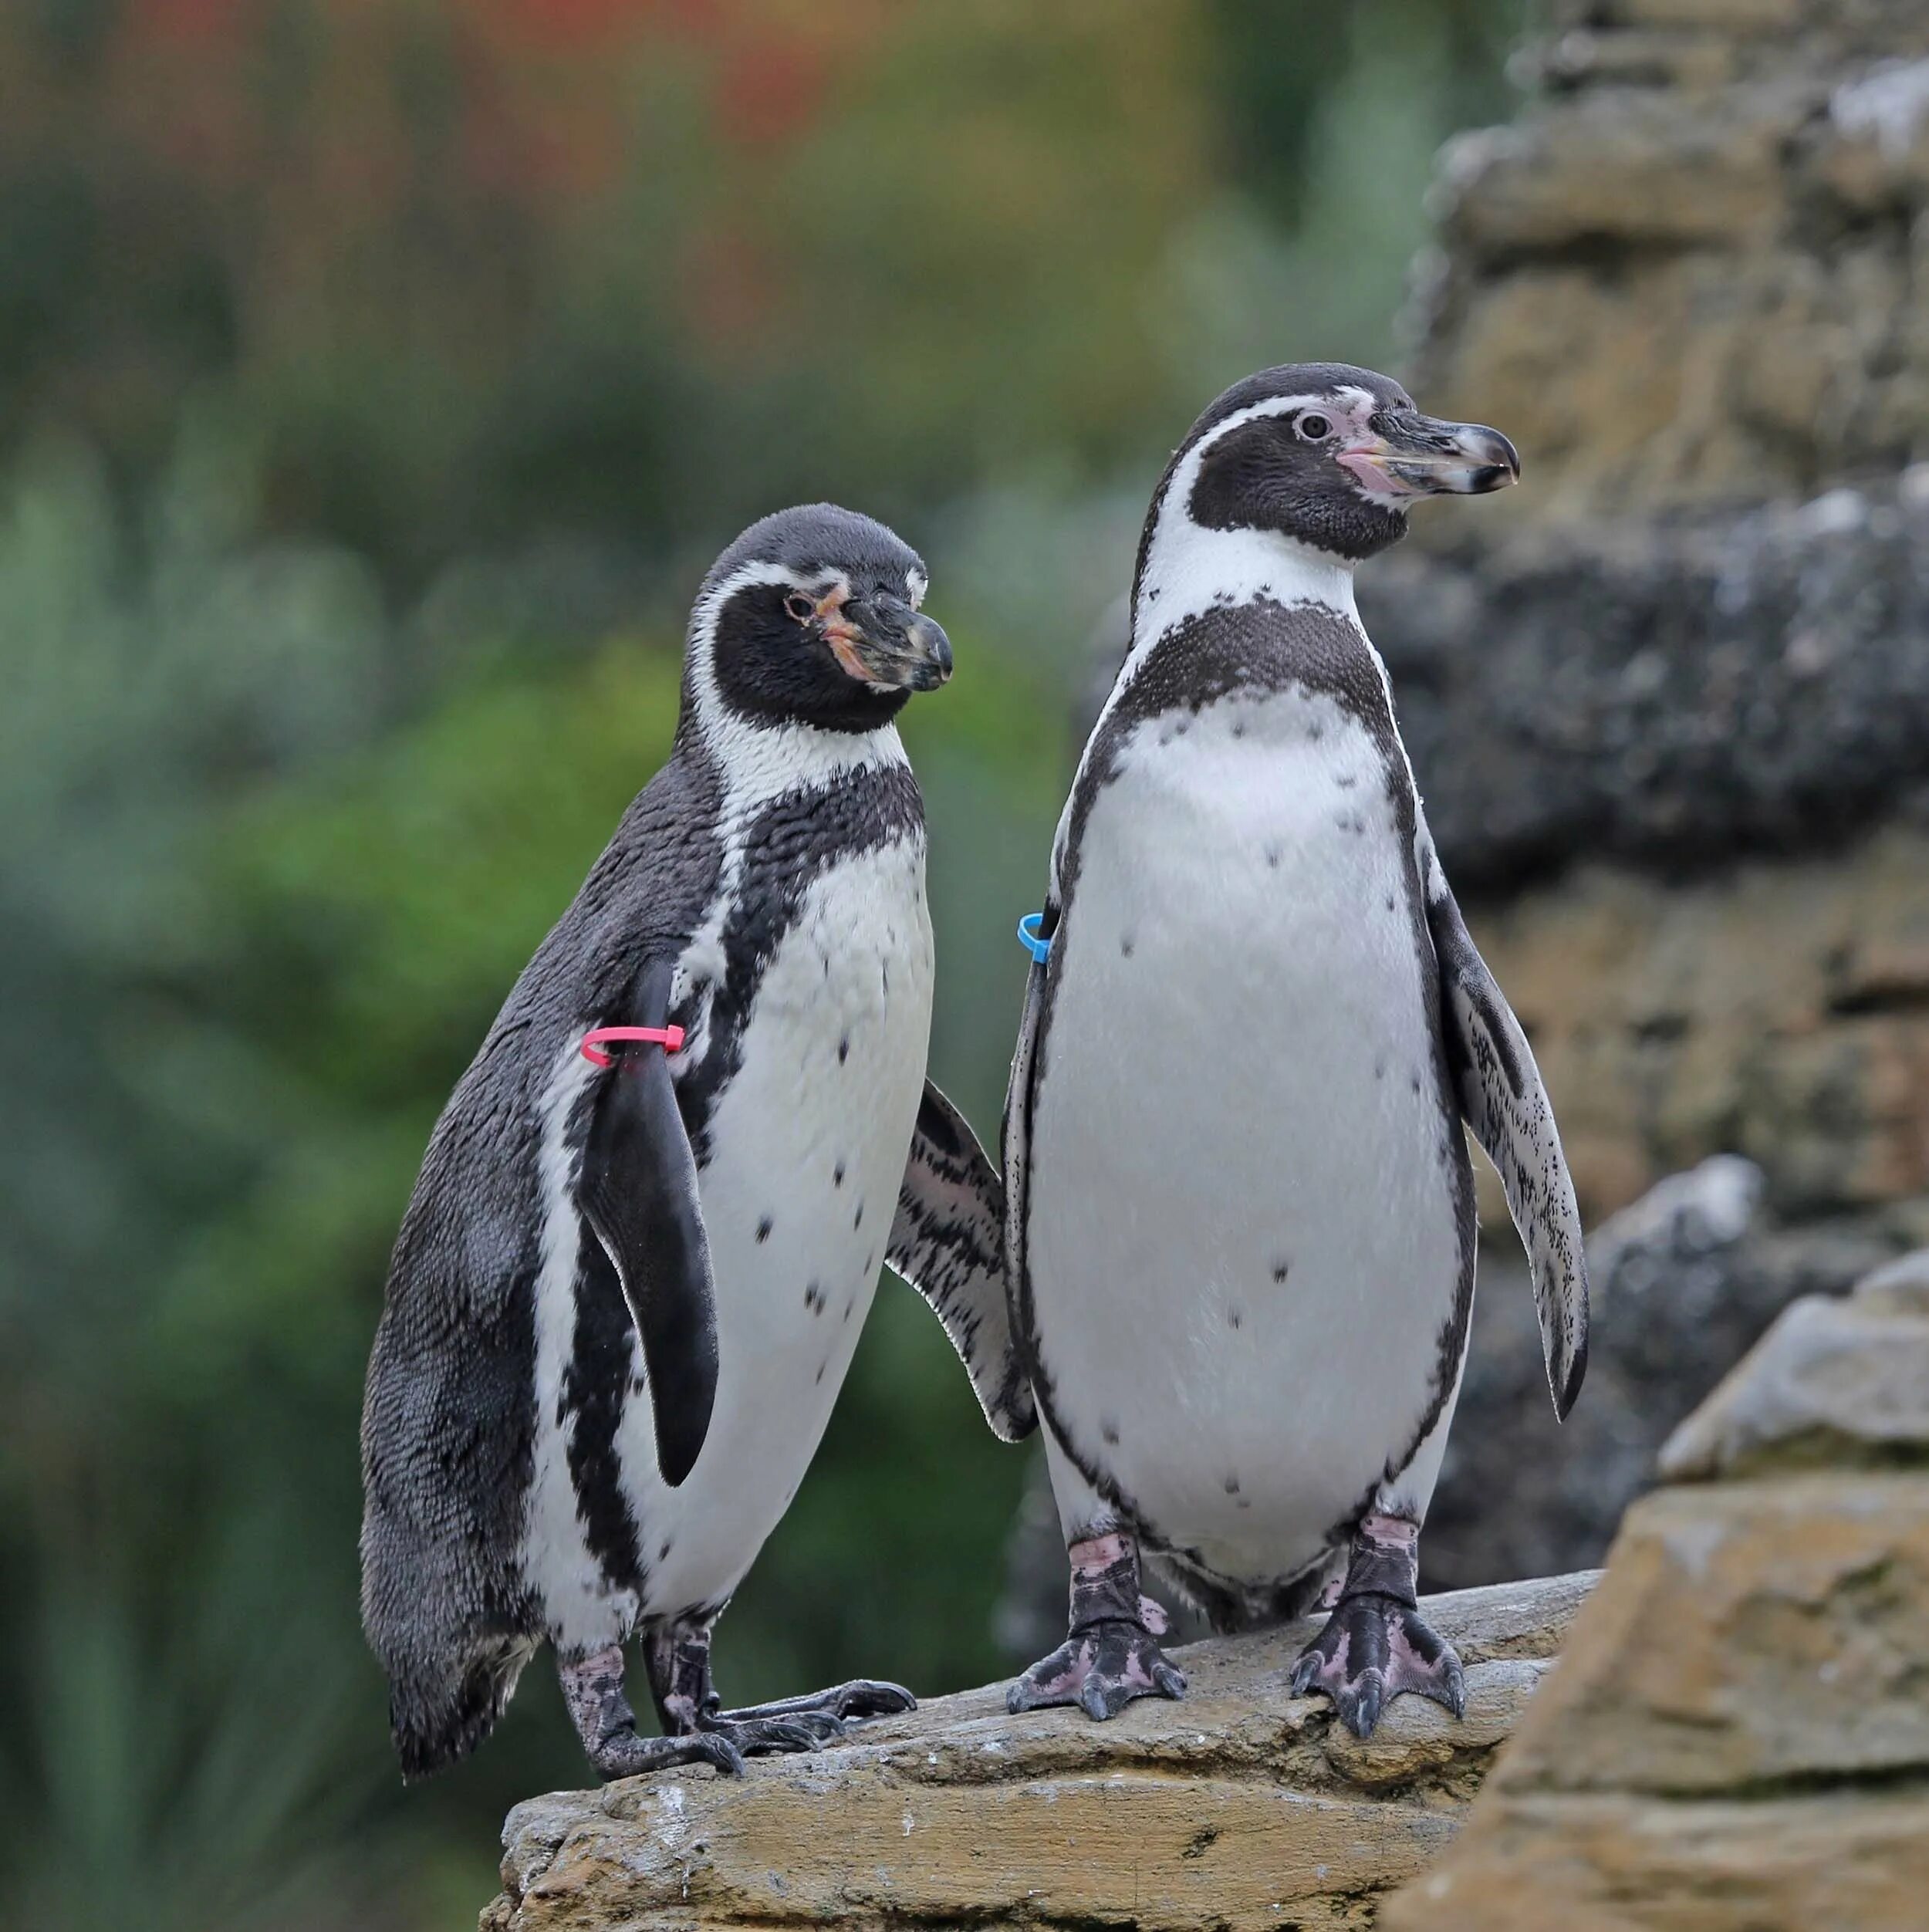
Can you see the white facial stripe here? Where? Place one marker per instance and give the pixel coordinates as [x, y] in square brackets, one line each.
[916, 585]
[762, 760]
[758, 762]
[1189, 568]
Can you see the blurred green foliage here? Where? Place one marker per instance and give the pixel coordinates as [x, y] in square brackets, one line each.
[375, 381]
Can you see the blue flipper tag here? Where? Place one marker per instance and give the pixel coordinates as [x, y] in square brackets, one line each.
[1028, 936]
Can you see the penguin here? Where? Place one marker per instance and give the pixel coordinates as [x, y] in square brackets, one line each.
[1240, 1214]
[632, 1274]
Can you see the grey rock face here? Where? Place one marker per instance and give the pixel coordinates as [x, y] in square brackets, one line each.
[1666, 692]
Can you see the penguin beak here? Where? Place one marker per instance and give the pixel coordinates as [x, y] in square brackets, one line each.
[881, 641]
[1412, 455]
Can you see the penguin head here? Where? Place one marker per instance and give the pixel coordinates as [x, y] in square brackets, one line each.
[1331, 456]
[811, 618]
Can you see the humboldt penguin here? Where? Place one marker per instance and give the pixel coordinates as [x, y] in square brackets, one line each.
[1241, 1227]
[632, 1275]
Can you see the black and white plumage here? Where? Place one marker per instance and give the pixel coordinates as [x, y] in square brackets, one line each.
[623, 1300]
[1240, 1215]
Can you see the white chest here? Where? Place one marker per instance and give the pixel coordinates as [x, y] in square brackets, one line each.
[807, 1147]
[1241, 1230]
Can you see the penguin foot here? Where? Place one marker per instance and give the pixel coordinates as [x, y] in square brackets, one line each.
[862, 1697]
[1373, 1648]
[1101, 1669]
[624, 1754]
[1110, 1654]
[769, 1737]
[592, 1689]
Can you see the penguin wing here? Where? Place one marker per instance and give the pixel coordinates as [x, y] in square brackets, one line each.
[947, 1240]
[637, 1189]
[1503, 1101]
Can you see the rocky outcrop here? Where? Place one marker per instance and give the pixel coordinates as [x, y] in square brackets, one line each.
[1240, 1805]
[1692, 273]
[1666, 692]
[1684, 1281]
[1738, 1738]
[1669, 701]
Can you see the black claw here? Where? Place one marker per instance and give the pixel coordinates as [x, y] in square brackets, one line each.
[869, 1697]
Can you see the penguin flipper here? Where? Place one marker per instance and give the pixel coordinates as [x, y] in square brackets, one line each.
[637, 1189]
[947, 1240]
[1503, 1101]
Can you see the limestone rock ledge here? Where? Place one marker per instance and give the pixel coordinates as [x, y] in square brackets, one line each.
[1738, 1738]
[1240, 1805]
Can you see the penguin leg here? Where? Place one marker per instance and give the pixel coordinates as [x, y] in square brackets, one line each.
[1375, 1644]
[592, 1689]
[678, 1656]
[1110, 1654]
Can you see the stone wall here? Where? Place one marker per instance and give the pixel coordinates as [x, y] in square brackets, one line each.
[1737, 1739]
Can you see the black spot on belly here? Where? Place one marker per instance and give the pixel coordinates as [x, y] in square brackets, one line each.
[763, 1231]
[1238, 731]
[663, 1549]
[849, 1306]
[821, 1367]
[884, 978]
[1232, 1485]
[1315, 732]
[1108, 1429]
[1281, 1270]
[1125, 949]
[1235, 1316]
[843, 1049]
[857, 1219]
[1272, 855]
[814, 1299]
[1379, 1069]
[1346, 781]
[1390, 901]
[837, 1175]
[1416, 1083]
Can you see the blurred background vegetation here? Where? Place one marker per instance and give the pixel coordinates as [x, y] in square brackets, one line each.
[376, 377]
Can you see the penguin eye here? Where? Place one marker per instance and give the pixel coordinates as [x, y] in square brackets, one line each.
[1314, 428]
[799, 606]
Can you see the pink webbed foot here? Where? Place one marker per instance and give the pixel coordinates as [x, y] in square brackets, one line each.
[1110, 1654]
[1375, 1644]
[1372, 1649]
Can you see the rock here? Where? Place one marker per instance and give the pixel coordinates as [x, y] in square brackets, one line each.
[1832, 1383]
[1684, 1281]
[1745, 683]
[1239, 1805]
[1780, 1010]
[1737, 1738]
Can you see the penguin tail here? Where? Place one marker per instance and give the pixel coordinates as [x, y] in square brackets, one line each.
[436, 1717]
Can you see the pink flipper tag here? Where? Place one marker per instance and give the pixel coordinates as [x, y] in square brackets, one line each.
[669, 1038]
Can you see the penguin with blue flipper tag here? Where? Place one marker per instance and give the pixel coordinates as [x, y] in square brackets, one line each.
[1240, 1229]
